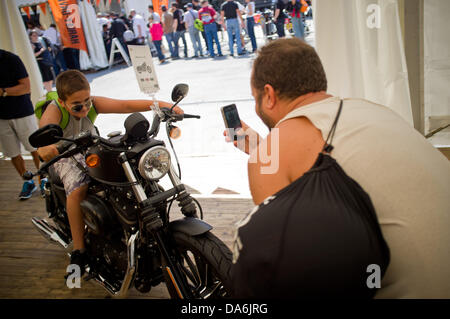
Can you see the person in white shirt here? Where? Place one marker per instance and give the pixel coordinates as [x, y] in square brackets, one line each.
[139, 27]
[155, 15]
[59, 64]
[189, 19]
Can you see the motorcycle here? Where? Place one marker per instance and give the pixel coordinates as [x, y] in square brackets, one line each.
[129, 236]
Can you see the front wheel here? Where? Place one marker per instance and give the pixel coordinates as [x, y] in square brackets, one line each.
[205, 262]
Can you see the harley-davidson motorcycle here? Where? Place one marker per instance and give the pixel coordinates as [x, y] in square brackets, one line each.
[129, 236]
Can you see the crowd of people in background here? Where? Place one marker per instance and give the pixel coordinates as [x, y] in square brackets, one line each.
[200, 20]
[52, 57]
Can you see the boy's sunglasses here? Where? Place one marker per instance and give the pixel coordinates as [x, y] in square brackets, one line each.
[77, 108]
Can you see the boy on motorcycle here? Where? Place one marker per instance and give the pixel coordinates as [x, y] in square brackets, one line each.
[74, 97]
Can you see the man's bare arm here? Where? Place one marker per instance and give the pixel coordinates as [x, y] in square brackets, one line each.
[20, 89]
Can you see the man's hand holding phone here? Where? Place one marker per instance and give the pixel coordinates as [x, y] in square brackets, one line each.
[243, 137]
[249, 135]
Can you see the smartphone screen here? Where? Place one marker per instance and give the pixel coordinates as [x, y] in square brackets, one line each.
[231, 118]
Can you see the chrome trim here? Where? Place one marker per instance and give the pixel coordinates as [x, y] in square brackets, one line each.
[129, 275]
[131, 269]
[137, 187]
[173, 176]
[49, 232]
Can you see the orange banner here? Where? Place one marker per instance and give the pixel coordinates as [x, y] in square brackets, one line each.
[27, 11]
[157, 5]
[43, 8]
[67, 17]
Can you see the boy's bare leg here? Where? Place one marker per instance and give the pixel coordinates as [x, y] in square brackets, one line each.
[76, 216]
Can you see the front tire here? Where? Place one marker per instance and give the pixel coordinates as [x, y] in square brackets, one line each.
[205, 262]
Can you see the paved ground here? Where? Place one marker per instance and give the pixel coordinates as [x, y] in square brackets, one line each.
[30, 267]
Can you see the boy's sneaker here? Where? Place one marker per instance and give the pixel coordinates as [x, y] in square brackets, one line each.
[80, 259]
[27, 190]
[43, 182]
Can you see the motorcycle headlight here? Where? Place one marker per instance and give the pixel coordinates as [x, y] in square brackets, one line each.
[154, 163]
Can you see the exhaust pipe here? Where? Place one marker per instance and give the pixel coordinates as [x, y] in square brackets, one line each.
[49, 232]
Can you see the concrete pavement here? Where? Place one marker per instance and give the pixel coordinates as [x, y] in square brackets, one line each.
[208, 163]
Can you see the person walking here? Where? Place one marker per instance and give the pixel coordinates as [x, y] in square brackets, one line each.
[167, 23]
[157, 32]
[250, 11]
[279, 18]
[153, 14]
[59, 64]
[189, 19]
[139, 27]
[295, 9]
[207, 14]
[180, 30]
[230, 11]
[17, 120]
[44, 59]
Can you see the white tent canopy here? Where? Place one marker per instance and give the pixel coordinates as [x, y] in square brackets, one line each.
[14, 38]
[361, 47]
[97, 54]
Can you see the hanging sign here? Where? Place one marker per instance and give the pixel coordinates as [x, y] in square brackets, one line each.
[144, 69]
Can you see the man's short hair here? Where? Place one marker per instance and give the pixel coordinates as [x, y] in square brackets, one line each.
[291, 67]
[175, 5]
[151, 7]
[163, 8]
[69, 82]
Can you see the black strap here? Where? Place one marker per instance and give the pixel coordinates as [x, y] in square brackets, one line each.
[328, 147]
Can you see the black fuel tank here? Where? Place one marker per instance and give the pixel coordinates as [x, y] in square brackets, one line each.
[109, 168]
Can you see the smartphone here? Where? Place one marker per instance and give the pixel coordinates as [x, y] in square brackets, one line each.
[232, 121]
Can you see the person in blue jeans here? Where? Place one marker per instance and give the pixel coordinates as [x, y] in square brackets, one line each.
[230, 11]
[207, 14]
[167, 22]
[180, 30]
[250, 11]
[294, 9]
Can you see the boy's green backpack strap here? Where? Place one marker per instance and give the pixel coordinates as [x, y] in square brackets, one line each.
[92, 115]
[42, 105]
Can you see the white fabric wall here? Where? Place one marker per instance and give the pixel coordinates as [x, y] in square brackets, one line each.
[97, 54]
[141, 7]
[359, 61]
[14, 38]
[437, 63]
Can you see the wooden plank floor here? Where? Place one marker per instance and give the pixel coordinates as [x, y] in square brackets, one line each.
[31, 267]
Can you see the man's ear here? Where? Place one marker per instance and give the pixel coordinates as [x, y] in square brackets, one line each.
[270, 96]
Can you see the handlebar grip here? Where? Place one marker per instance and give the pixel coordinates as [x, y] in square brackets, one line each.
[191, 116]
[63, 147]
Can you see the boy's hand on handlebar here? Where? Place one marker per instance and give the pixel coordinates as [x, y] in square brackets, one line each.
[47, 152]
[251, 138]
[177, 110]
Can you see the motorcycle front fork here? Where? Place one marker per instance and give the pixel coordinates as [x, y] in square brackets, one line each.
[153, 225]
